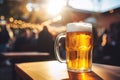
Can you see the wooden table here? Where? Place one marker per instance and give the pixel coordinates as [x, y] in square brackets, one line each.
[53, 70]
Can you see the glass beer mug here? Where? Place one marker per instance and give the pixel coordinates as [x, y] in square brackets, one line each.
[78, 45]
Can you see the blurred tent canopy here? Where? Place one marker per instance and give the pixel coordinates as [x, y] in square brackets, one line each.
[94, 5]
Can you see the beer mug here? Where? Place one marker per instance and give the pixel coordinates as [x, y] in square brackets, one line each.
[78, 46]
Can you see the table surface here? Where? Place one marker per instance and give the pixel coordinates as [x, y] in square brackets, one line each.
[24, 54]
[54, 70]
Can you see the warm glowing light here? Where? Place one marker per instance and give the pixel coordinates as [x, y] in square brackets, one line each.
[2, 22]
[2, 17]
[83, 76]
[57, 18]
[55, 6]
[111, 11]
[15, 21]
[104, 40]
[11, 19]
[29, 7]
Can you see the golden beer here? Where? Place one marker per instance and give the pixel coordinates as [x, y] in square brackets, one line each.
[79, 51]
[78, 44]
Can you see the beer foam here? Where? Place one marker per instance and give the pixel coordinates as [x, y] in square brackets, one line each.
[81, 26]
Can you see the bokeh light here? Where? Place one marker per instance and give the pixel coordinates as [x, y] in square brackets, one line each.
[55, 6]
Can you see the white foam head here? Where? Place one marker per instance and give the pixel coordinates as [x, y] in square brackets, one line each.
[79, 26]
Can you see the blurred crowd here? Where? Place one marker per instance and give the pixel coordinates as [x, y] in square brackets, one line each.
[25, 39]
[106, 47]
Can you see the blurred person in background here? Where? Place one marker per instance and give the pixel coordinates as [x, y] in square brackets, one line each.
[4, 38]
[33, 41]
[4, 35]
[110, 45]
[23, 41]
[45, 42]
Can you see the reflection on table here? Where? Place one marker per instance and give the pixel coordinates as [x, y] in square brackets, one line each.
[53, 70]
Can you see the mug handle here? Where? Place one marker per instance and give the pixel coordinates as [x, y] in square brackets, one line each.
[56, 47]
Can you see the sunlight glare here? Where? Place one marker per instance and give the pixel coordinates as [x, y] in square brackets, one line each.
[29, 6]
[59, 17]
[55, 6]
